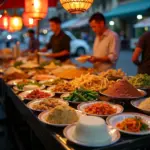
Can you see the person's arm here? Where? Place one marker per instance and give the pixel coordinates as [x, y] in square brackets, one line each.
[112, 57]
[138, 50]
[48, 46]
[60, 54]
[136, 54]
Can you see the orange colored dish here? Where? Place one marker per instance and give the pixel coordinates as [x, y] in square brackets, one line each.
[100, 109]
[135, 124]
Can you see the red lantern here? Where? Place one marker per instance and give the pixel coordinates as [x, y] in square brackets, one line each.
[29, 22]
[36, 9]
[15, 23]
[4, 21]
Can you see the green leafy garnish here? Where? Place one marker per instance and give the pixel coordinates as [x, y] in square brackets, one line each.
[18, 63]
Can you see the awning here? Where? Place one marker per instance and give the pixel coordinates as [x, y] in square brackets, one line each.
[20, 4]
[80, 23]
[131, 8]
[143, 23]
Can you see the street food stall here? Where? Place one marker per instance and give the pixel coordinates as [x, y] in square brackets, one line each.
[58, 105]
[54, 105]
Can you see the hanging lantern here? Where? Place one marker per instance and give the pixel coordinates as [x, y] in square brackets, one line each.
[29, 22]
[76, 6]
[36, 9]
[10, 29]
[15, 23]
[4, 21]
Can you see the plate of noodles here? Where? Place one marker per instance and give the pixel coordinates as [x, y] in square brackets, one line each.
[60, 116]
[130, 123]
[142, 104]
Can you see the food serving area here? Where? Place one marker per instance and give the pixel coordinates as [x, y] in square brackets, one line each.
[34, 94]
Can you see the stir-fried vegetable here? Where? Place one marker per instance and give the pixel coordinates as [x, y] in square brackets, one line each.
[82, 95]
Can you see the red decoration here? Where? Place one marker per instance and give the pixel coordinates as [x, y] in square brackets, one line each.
[21, 4]
[36, 9]
[28, 21]
[4, 21]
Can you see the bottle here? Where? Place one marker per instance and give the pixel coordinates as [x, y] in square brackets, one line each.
[14, 51]
[18, 48]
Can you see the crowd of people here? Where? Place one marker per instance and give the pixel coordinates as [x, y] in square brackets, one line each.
[106, 46]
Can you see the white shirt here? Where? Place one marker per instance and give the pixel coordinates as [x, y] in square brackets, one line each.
[109, 46]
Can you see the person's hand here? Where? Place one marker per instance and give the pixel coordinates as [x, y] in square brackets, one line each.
[50, 55]
[136, 62]
[92, 59]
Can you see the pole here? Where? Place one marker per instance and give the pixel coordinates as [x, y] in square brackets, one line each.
[38, 32]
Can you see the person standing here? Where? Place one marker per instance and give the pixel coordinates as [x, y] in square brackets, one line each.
[142, 48]
[59, 42]
[106, 44]
[33, 42]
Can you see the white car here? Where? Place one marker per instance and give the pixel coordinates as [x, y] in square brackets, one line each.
[78, 46]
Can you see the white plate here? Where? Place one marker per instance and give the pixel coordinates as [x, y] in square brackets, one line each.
[114, 119]
[143, 93]
[27, 66]
[42, 77]
[82, 107]
[136, 103]
[68, 67]
[51, 88]
[42, 117]
[35, 102]
[39, 87]
[44, 53]
[69, 130]
[14, 82]
[23, 95]
[82, 59]
[44, 82]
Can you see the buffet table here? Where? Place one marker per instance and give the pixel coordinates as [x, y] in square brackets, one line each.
[30, 133]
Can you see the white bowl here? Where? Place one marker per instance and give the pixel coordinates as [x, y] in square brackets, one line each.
[69, 131]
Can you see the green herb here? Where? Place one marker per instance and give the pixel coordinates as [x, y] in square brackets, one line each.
[18, 63]
[144, 125]
[43, 64]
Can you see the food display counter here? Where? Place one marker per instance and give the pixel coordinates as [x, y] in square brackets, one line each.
[30, 133]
